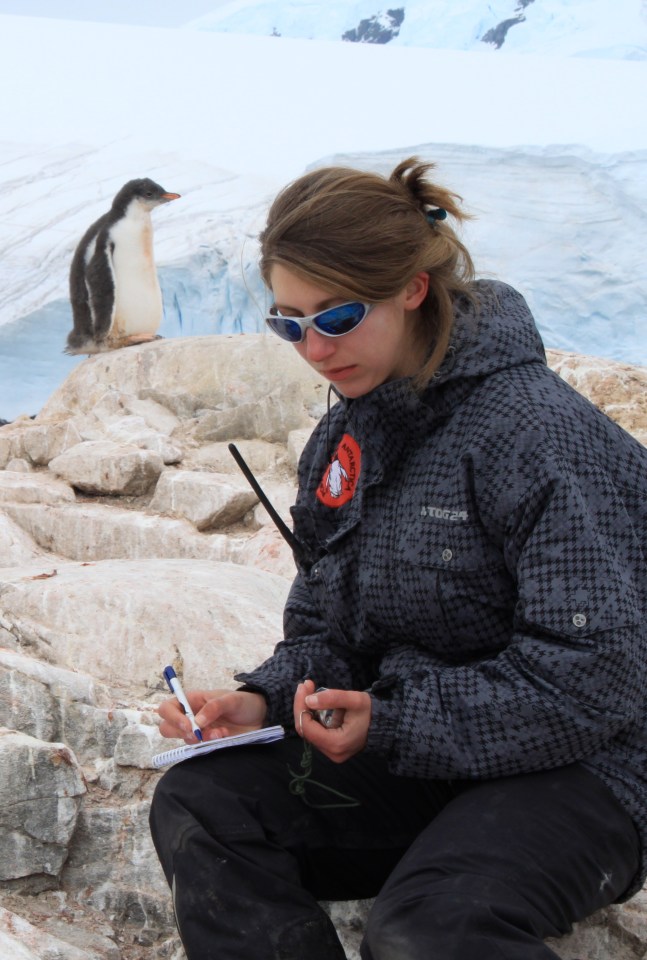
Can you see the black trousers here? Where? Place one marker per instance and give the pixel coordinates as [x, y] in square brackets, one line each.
[478, 870]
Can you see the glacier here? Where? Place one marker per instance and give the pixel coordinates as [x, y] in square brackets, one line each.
[579, 28]
[549, 153]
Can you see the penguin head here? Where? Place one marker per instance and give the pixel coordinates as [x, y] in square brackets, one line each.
[145, 192]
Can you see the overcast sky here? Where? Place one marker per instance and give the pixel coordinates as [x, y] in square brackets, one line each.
[155, 13]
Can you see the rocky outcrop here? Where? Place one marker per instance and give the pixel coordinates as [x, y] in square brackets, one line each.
[129, 540]
[496, 35]
[380, 28]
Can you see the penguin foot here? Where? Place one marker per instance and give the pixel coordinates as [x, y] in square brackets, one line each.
[133, 340]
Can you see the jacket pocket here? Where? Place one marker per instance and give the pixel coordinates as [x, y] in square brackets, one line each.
[460, 575]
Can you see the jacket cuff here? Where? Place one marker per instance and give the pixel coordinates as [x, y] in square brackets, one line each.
[274, 694]
[383, 727]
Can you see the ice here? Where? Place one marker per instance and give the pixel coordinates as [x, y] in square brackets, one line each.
[549, 152]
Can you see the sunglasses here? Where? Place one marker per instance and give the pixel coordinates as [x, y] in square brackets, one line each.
[334, 322]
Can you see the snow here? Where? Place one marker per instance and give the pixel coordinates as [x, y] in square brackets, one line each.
[581, 28]
[549, 152]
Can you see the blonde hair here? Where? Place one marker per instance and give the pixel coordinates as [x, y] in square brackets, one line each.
[365, 237]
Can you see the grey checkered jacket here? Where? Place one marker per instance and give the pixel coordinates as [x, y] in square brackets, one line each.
[487, 582]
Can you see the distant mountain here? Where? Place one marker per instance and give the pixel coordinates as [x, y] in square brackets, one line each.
[614, 29]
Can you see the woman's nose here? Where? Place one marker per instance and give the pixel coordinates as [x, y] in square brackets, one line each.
[318, 347]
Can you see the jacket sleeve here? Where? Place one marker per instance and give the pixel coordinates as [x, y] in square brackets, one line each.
[306, 652]
[572, 676]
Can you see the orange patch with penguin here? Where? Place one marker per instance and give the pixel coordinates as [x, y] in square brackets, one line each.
[339, 482]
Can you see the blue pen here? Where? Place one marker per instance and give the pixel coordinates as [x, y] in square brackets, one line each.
[176, 687]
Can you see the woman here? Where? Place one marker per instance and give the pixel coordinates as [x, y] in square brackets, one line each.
[471, 592]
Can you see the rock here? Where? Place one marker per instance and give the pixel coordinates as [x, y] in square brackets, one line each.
[123, 620]
[18, 465]
[137, 743]
[259, 455]
[270, 418]
[267, 550]
[618, 389]
[208, 500]
[16, 487]
[16, 546]
[35, 442]
[188, 375]
[135, 431]
[40, 795]
[97, 531]
[105, 467]
[44, 441]
[297, 440]
[20, 940]
[117, 407]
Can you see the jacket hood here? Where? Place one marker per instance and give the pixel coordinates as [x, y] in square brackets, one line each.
[495, 333]
[492, 333]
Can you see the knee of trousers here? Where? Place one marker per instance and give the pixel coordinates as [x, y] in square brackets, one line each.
[446, 915]
[183, 806]
[166, 816]
[188, 803]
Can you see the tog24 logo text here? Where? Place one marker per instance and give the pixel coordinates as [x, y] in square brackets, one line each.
[443, 513]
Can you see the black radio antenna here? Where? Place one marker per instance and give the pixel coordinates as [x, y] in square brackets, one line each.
[282, 527]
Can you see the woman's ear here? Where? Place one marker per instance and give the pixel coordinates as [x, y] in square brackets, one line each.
[416, 290]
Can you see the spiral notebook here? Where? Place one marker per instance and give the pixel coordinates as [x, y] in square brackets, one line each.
[186, 751]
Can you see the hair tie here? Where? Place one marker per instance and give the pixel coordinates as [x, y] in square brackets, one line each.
[434, 215]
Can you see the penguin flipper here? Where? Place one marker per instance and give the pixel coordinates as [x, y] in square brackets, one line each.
[81, 339]
[82, 319]
[101, 290]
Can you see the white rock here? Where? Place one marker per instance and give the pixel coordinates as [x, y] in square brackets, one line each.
[208, 500]
[259, 455]
[135, 431]
[267, 550]
[18, 487]
[21, 940]
[115, 404]
[105, 467]
[42, 442]
[16, 546]
[123, 620]
[270, 418]
[35, 442]
[17, 465]
[96, 531]
[297, 440]
[282, 496]
[185, 375]
[6, 447]
[64, 684]
[39, 801]
[137, 744]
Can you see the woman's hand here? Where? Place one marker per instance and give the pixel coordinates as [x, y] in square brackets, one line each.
[218, 713]
[338, 743]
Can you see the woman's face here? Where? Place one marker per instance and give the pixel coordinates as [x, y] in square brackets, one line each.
[383, 347]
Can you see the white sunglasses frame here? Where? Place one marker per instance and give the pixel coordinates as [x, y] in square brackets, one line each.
[308, 323]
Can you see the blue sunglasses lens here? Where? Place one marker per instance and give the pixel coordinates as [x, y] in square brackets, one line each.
[340, 320]
[285, 328]
[334, 322]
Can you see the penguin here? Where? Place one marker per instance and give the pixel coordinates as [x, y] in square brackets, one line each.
[114, 290]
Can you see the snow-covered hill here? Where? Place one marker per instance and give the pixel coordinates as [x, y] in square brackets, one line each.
[581, 28]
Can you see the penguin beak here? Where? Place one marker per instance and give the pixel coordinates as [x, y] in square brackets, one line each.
[166, 197]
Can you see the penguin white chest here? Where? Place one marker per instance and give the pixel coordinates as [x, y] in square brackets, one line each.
[138, 298]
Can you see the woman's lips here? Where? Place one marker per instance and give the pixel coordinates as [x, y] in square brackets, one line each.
[339, 373]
